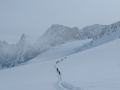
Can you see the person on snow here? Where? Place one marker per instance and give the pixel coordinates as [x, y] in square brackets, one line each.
[57, 62]
[58, 71]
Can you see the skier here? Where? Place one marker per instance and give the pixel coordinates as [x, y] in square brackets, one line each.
[58, 71]
[57, 62]
[62, 59]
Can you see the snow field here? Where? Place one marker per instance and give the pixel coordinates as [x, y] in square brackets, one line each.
[93, 69]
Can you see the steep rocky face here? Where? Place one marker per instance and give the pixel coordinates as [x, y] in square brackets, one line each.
[106, 34]
[6, 51]
[58, 34]
[89, 32]
[3, 46]
[12, 55]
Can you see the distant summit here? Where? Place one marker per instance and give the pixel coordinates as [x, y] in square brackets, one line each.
[23, 51]
[59, 34]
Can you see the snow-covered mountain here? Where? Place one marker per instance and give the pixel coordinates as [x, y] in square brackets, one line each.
[106, 34]
[61, 65]
[59, 34]
[12, 55]
[94, 69]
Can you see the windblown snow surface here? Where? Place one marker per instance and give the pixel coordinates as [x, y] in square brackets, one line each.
[60, 50]
[93, 69]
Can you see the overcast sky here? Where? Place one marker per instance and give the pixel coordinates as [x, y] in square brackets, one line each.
[34, 17]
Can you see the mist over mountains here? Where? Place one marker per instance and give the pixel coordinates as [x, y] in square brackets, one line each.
[23, 51]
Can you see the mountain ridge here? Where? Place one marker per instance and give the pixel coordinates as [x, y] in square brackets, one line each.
[23, 51]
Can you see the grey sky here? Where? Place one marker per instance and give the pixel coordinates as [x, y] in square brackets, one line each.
[34, 17]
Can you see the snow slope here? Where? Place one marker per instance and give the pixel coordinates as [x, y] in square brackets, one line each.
[107, 34]
[23, 51]
[60, 51]
[93, 69]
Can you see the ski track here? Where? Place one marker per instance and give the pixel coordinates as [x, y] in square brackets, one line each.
[63, 85]
[70, 87]
[57, 84]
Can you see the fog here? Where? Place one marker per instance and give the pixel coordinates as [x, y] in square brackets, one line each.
[34, 17]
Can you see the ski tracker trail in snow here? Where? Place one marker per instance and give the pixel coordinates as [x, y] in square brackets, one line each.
[93, 69]
[59, 84]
